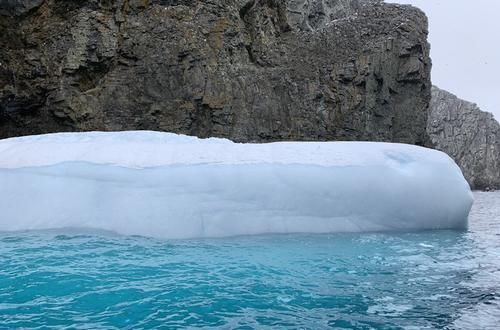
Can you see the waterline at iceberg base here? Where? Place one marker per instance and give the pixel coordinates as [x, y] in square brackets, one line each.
[173, 186]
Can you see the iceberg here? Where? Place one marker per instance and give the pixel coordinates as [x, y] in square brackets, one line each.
[175, 186]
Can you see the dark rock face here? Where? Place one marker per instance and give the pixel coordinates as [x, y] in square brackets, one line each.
[248, 70]
[18, 7]
[470, 136]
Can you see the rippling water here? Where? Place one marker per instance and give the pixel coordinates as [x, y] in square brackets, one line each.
[89, 280]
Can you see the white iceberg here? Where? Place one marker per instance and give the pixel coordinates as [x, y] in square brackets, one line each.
[175, 186]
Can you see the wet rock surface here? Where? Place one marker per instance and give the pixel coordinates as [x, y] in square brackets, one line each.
[258, 70]
[470, 136]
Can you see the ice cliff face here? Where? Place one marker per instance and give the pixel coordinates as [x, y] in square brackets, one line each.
[248, 70]
[175, 186]
[470, 136]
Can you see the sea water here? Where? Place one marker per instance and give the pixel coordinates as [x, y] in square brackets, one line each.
[98, 280]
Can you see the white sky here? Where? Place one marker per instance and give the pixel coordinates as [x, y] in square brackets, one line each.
[465, 48]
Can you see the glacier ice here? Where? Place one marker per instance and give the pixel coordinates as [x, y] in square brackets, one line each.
[175, 186]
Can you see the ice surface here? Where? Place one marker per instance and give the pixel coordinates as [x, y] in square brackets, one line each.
[175, 186]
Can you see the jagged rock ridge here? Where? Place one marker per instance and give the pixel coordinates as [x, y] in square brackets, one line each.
[248, 70]
[470, 136]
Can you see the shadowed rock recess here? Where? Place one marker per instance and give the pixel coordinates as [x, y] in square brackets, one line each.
[248, 70]
[470, 136]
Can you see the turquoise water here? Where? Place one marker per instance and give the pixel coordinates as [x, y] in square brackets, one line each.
[87, 280]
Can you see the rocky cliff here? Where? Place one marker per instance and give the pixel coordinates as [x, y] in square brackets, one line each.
[468, 135]
[249, 70]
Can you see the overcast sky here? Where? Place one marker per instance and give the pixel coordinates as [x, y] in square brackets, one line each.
[465, 48]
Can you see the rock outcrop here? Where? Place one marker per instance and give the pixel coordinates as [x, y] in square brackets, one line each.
[470, 136]
[248, 70]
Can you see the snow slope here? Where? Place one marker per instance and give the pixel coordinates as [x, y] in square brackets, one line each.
[175, 186]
